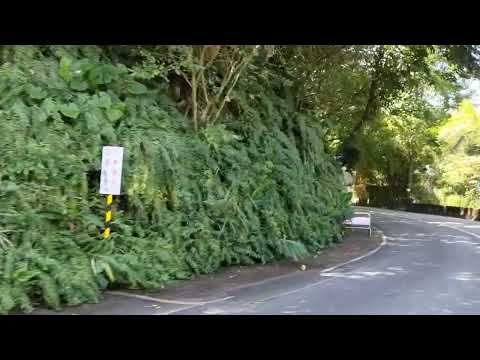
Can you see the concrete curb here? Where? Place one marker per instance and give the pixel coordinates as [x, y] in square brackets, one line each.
[201, 302]
[371, 252]
[384, 242]
[166, 301]
[286, 276]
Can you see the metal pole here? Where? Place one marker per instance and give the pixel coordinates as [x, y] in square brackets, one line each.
[108, 217]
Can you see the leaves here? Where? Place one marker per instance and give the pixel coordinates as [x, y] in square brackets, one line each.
[102, 74]
[8, 187]
[104, 100]
[93, 219]
[243, 191]
[136, 88]
[70, 110]
[64, 68]
[114, 114]
[79, 84]
[454, 173]
[36, 92]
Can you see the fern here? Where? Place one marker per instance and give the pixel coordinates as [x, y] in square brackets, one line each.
[255, 188]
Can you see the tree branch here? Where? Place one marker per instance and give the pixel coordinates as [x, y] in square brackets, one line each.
[241, 67]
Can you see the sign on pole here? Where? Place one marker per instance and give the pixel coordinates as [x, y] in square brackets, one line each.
[111, 176]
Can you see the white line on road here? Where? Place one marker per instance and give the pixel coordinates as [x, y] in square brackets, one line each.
[439, 224]
[193, 305]
[384, 242]
[165, 301]
[461, 230]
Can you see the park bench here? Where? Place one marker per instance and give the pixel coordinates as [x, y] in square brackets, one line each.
[360, 220]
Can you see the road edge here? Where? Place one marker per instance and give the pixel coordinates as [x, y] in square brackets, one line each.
[370, 253]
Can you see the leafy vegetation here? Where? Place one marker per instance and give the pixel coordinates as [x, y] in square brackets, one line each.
[254, 187]
[396, 148]
[233, 154]
[455, 172]
[439, 160]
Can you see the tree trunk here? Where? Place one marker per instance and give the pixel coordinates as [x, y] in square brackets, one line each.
[410, 179]
[410, 172]
[194, 100]
[369, 111]
[369, 107]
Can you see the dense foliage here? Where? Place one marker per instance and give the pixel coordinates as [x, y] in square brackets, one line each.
[232, 154]
[396, 148]
[249, 182]
[439, 161]
[455, 172]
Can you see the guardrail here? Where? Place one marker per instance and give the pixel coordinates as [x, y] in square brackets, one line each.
[453, 211]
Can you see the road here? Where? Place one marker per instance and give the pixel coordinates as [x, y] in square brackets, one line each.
[429, 265]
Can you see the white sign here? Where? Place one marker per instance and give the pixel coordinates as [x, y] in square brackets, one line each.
[111, 177]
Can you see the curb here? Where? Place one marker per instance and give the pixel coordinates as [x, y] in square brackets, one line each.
[166, 301]
[292, 274]
[194, 304]
[383, 243]
[371, 252]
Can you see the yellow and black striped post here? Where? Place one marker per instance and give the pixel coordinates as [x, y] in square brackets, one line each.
[108, 217]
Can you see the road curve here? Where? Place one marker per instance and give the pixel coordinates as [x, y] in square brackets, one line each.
[429, 265]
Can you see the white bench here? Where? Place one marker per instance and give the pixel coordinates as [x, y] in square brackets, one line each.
[360, 220]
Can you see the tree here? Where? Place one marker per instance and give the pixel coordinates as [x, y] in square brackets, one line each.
[397, 71]
[459, 160]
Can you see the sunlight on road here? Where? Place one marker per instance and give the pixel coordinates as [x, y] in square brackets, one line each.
[441, 223]
[406, 245]
[466, 276]
[390, 238]
[425, 264]
[360, 274]
[459, 242]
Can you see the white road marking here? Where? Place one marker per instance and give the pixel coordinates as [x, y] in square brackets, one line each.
[461, 230]
[214, 311]
[165, 301]
[438, 223]
[197, 304]
[384, 242]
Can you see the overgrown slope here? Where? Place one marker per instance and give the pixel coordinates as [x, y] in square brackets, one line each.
[256, 187]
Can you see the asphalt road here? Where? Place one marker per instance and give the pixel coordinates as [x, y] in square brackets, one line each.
[429, 265]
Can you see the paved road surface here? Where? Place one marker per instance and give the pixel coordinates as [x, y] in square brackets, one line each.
[430, 265]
